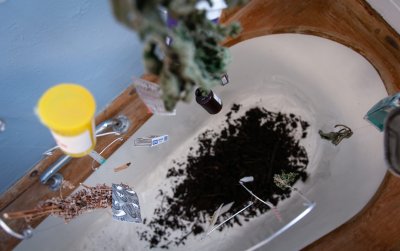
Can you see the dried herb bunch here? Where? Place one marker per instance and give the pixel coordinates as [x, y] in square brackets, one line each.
[84, 200]
[195, 56]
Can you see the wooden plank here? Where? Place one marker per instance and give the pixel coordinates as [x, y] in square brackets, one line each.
[26, 193]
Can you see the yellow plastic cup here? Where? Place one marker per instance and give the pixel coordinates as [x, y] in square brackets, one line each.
[68, 111]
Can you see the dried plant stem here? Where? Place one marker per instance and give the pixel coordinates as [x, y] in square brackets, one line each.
[31, 213]
[269, 204]
[85, 186]
[84, 200]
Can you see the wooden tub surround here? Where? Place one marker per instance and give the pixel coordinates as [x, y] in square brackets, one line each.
[350, 22]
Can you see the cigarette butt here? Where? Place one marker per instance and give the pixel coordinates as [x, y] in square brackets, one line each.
[122, 167]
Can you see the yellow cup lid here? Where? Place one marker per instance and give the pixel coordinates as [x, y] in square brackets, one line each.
[66, 107]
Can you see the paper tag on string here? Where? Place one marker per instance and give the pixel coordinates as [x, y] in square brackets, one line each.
[151, 95]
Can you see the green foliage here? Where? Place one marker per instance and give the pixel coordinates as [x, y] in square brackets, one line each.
[194, 58]
[284, 180]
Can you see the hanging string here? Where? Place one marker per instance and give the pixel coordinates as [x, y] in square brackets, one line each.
[362, 127]
[269, 204]
[49, 152]
[115, 140]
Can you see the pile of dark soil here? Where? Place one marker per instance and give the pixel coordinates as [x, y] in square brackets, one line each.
[260, 144]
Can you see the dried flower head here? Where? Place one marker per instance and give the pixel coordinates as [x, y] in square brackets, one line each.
[284, 180]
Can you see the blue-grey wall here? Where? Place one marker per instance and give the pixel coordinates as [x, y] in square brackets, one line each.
[45, 42]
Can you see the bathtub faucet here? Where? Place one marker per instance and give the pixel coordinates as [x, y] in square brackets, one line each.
[118, 125]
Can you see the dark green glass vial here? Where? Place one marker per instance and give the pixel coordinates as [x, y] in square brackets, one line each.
[209, 101]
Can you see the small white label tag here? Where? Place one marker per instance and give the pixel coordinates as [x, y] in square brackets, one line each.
[225, 79]
[151, 95]
[217, 98]
[151, 141]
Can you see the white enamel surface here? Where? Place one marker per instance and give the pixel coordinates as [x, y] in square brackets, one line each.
[322, 81]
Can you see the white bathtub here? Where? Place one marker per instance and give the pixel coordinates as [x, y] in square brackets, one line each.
[320, 80]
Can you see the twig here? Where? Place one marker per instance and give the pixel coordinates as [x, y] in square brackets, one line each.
[31, 213]
[84, 200]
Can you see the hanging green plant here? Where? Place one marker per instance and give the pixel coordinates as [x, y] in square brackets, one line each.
[195, 56]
